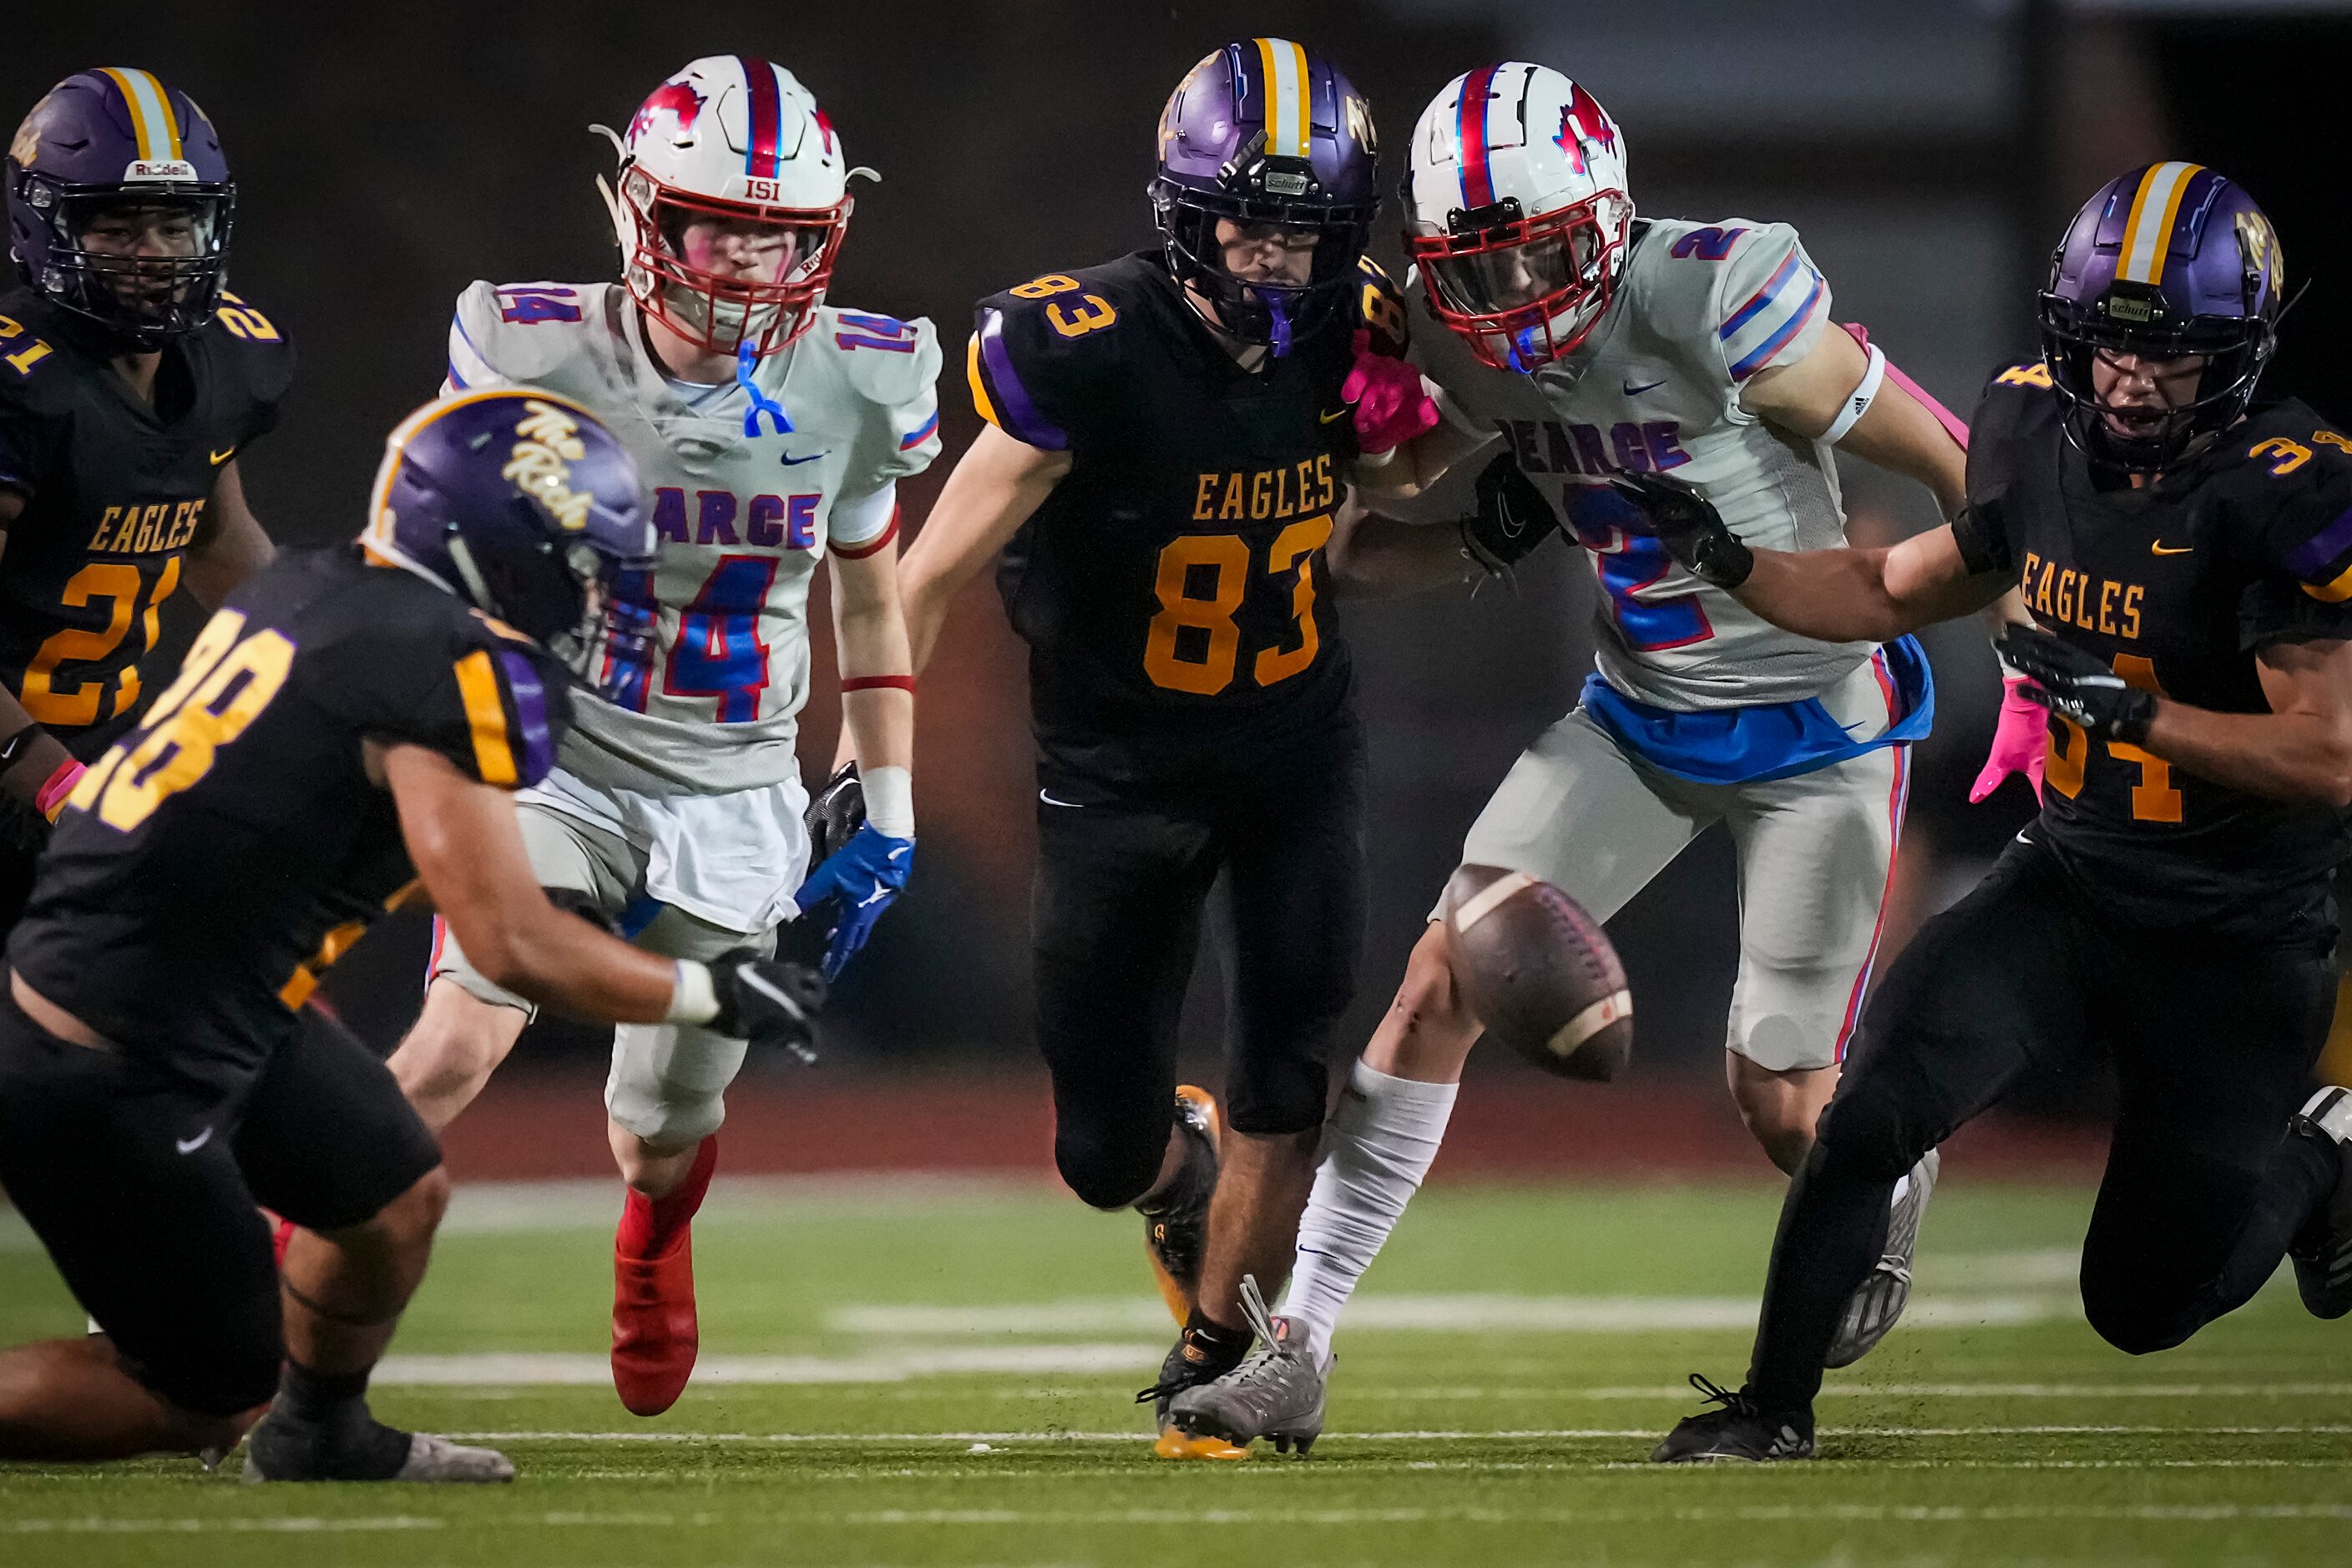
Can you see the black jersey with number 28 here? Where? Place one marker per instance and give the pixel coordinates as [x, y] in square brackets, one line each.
[223, 853]
[1169, 586]
[115, 492]
[2181, 585]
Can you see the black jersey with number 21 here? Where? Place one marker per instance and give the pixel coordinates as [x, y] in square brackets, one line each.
[115, 491]
[2179, 584]
[223, 853]
[1167, 587]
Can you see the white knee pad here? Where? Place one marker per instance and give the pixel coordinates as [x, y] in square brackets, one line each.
[669, 1080]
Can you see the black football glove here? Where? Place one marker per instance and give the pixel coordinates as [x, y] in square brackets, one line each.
[767, 1001]
[835, 814]
[2075, 684]
[1513, 517]
[1687, 524]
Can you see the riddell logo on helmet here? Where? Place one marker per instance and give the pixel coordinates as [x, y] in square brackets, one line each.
[160, 168]
[679, 98]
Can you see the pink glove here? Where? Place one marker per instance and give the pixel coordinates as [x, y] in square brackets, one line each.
[1386, 394]
[2020, 741]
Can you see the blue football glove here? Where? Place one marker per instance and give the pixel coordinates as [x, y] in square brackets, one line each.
[861, 879]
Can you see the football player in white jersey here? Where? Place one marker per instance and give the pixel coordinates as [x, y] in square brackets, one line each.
[773, 428]
[1605, 349]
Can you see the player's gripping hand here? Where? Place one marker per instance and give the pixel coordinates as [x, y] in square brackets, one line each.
[2074, 684]
[767, 1001]
[1687, 524]
[2021, 742]
[1392, 405]
[835, 814]
[1512, 520]
[861, 878]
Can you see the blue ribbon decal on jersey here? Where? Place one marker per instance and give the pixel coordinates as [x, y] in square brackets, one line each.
[747, 359]
[1748, 746]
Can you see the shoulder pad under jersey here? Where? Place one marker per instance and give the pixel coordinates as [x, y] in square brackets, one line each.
[892, 370]
[1044, 352]
[518, 332]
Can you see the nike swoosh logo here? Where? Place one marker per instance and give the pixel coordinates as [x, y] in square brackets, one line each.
[1049, 799]
[791, 462]
[2022, 839]
[1335, 416]
[1632, 391]
[222, 456]
[2159, 547]
[190, 1146]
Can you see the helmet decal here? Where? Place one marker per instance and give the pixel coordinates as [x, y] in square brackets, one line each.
[676, 99]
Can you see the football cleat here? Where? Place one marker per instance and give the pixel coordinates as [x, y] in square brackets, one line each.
[2323, 1249]
[1278, 1393]
[654, 1335]
[1879, 1299]
[1741, 1432]
[1176, 1221]
[1188, 1364]
[278, 1450]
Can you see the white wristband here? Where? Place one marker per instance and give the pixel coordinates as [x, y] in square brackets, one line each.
[890, 801]
[1859, 403]
[692, 998]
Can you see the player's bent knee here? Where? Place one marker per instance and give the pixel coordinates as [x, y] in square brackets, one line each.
[1869, 1129]
[408, 1221]
[2124, 1318]
[1110, 1173]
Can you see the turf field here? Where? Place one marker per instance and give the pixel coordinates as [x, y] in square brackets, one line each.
[940, 1371]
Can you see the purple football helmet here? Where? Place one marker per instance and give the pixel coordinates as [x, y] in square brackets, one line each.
[2167, 262]
[1266, 133]
[525, 506]
[119, 205]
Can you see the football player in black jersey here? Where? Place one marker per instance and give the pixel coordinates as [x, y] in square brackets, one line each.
[345, 734]
[1166, 469]
[130, 381]
[2186, 554]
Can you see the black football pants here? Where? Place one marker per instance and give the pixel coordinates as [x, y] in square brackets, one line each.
[2213, 1046]
[142, 1186]
[1122, 882]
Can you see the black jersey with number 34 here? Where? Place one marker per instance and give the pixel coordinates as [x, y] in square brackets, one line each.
[223, 853]
[2181, 585]
[115, 491]
[1169, 586]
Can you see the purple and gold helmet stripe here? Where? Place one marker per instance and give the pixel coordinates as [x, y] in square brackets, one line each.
[1284, 92]
[153, 122]
[765, 97]
[2147, 232]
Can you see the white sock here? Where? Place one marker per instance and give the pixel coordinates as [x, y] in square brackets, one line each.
[1376, 1148]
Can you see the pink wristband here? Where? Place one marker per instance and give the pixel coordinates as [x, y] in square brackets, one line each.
[50, 799]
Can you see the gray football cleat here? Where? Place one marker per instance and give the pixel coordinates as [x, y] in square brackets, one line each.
[2323, 1250]
[430, 1458]
[1882, 1298]
[1276, 1393]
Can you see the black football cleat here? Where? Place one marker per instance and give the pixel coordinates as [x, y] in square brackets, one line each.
[1176, 1220]
[1740, 1432]
[1191, 1363]
[365, 1450]
[2323, 1249]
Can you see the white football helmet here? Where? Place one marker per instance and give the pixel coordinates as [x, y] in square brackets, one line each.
[1519, 213]
[738, 141]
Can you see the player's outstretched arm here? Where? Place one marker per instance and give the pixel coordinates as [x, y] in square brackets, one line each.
[1897, 430]
[1835, 595]
[997, 483]
[468, 850]
[230, 547]
[2300, 751]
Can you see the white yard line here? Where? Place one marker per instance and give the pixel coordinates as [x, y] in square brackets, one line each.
[2165, 1513]
[851, 1439]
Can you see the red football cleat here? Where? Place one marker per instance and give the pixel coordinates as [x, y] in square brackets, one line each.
[654, 1331]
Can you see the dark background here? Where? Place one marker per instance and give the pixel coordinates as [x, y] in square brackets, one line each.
[1930, 153]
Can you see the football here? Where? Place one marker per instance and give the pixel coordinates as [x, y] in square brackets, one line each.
[1539, 972]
